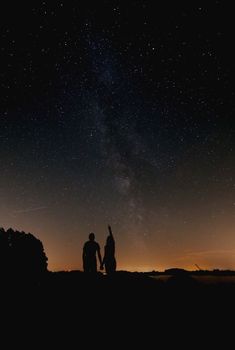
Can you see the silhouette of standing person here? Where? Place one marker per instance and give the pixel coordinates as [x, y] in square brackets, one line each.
[109, 260]
[90, 249]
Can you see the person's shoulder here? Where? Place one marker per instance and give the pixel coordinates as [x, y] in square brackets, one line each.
[97, 245]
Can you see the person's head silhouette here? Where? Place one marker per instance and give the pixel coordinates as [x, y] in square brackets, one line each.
[91, 236]
[109, 240]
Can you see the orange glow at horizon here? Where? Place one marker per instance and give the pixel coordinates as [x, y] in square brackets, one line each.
[209, 245]
[128, 123]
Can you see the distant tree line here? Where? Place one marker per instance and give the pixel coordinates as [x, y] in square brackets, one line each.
[21, 255]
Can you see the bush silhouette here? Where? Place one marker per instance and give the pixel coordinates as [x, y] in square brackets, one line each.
[21, 254]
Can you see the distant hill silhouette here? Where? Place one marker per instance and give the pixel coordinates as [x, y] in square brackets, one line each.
[176, 271]
[21, 255]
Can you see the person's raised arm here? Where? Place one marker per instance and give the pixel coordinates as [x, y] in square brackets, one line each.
[110, 231]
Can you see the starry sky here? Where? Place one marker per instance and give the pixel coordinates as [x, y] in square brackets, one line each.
[120, 113]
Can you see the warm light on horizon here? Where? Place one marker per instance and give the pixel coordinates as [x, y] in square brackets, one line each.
[118, 116]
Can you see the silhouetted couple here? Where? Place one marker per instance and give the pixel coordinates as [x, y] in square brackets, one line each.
[91, 249]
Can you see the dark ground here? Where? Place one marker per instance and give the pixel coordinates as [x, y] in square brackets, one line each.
[68, 307]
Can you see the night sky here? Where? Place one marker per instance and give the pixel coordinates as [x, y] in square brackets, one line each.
[120, 113]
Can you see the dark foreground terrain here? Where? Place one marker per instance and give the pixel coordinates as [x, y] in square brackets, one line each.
[100, 309]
